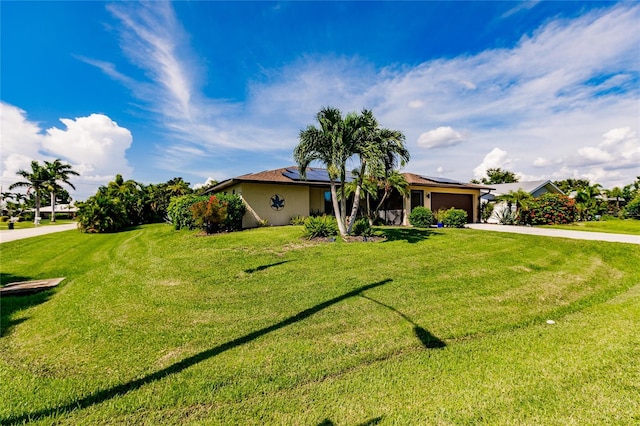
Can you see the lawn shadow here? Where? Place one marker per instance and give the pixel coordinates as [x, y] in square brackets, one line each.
[428, 340]
[10, 305]
[10, 278]
[410, 235]
[107, 394]
[370, 422]
[263, 267]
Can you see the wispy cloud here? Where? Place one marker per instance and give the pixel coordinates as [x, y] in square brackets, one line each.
[553, 93]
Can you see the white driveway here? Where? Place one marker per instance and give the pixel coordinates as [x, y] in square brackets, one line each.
[7, 235]
[561, 233]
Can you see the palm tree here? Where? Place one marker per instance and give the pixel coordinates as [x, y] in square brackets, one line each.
[35, 180]
[326, 144]
[177, 187]
[380, 151]
[520, 198]
[587, 199]
[58, 172]
[392, 181]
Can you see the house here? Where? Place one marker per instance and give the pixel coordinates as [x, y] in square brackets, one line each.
[535, 188]
[275, 196]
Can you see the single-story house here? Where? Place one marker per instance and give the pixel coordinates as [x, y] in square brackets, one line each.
[275, 196]
[535, 188]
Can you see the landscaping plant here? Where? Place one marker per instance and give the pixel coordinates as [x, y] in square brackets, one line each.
[421, 217]
[320, 226]
[455, 218]
[209, 214]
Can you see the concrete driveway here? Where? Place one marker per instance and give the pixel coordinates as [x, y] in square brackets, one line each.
[7, 235]
[560, 233]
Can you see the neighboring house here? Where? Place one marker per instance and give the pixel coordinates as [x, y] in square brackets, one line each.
[45, 211]
[535, 188]
[275, 196]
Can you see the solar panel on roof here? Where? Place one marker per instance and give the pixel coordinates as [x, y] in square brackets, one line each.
[313, 175]
[442, 180]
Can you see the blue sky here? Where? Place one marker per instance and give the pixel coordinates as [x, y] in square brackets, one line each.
[549, 90]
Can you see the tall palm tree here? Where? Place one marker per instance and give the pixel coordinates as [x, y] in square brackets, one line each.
[35, 180]
[177, 187]
[380, 151]
[326, 144]
[58, 172]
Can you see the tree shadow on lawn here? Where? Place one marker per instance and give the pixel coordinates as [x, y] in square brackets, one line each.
[370, 422]
[428, 340]
[9, 305]
[106, 394]
[263, 267]
[410, 235]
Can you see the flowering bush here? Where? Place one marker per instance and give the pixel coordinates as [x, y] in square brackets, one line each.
[551, 209]
[209, 214]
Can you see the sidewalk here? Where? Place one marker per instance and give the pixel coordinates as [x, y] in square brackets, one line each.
[560, 233]
[7, 235]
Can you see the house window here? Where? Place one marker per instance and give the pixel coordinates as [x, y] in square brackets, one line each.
[417, 199]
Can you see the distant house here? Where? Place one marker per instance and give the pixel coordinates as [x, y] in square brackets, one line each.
[278, 195]
[535, 188]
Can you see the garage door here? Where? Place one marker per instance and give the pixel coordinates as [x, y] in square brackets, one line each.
[445, 201]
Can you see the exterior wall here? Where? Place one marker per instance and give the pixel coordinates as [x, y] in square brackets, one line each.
[257, 197]
[316, 200]
[475, 193]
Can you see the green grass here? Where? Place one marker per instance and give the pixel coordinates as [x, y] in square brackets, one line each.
[30, 224]
[615, 226]
[447, 326]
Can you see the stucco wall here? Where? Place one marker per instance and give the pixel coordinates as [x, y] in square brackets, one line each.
[258, 199]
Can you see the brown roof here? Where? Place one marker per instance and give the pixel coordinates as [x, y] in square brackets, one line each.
[269, 176]
[278, 176]
[419, 180]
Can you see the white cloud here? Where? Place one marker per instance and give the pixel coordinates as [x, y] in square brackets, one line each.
[94, 146]
[497, 158]
[440, 137]
[541, 99]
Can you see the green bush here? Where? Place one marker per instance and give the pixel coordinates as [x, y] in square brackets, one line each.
[235, 211]
[102, 214]
[455, 218]
[297, 220]
[179, 210]
[362, 228]
[320, 226]
[487, 211]
[551, 209]
[421, 217]
[632, 209]
[210, 214]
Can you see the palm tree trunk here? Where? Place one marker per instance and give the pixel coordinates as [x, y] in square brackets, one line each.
[53, 206]
[356, 198]
[336, 209]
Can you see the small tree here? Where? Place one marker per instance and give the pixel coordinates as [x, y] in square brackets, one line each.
[209, 214]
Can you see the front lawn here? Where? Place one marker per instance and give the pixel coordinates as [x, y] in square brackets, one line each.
[446, 326]
[611, 225]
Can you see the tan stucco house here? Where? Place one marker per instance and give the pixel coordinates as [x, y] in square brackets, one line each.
[275, 196]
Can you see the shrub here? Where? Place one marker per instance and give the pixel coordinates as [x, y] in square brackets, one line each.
[235, 211]
[210, 214]
[297, 220]
[362, 228]
[632, 209]
[550, 209]
[487, 211]
[506, 216]
[320, 226]
[455, 218]
[421, 217]
[440, 215]
[179, 210]
[101, 214]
